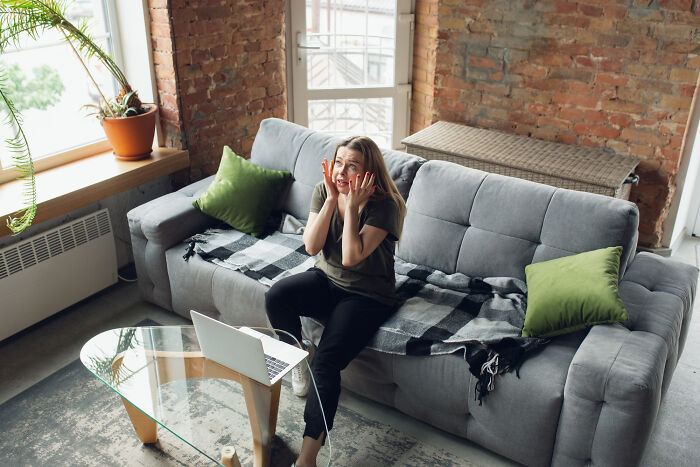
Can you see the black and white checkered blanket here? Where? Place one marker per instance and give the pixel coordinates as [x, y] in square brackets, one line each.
[439, 313]
[267, 260]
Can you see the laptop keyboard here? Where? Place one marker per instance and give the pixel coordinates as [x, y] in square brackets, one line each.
[274, 366]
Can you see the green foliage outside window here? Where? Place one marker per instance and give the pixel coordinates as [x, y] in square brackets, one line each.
[40, 92]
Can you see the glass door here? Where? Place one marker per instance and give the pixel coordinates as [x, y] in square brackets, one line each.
[351, 67]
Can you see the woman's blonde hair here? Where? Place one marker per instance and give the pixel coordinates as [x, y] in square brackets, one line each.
[374, 164]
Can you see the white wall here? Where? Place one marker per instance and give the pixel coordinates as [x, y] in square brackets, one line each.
[690, 197]
[686, 201]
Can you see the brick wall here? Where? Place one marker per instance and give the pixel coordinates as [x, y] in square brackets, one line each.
[615, 74]
[424, 56]
[220, 67]
[164, 63]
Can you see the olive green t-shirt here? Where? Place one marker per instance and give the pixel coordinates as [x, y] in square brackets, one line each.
[373, 276]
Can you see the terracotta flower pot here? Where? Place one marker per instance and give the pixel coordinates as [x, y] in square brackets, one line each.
[131, 137]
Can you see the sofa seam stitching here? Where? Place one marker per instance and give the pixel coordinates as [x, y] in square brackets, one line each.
[296, 156]
[682, 291]
[539, 236]
[469, 224]
[605, 387]
[491, 231]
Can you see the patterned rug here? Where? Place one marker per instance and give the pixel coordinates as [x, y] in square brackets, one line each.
[72, 419]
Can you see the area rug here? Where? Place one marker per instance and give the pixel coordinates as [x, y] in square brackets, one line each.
[71, 419]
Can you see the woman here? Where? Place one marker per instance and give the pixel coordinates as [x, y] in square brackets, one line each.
[355, 219]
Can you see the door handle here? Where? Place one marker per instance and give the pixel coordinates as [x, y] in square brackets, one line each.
[304, 46]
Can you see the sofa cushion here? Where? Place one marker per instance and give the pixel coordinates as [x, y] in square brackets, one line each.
[226, 295]
[519, 418]
[243, 194]
[573, 292]
[440, 391]
[402, 168]
[277, 144]
[489, 225]
[578, 222]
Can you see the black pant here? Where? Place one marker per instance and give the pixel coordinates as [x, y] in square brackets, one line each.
[350, 320]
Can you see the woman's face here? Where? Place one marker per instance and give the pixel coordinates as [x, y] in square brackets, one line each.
[349, 163]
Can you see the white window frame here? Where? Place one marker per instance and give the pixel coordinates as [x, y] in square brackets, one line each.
[400, 92]
[131, 45]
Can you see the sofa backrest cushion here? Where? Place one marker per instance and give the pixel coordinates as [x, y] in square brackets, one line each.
[402, 167]
[480, 224]
[277, 144]
[282, 145]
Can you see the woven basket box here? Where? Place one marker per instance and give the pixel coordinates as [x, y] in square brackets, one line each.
[559, 165]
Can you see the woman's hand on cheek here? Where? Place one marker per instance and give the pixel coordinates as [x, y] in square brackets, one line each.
[360, 190]
[329, 182]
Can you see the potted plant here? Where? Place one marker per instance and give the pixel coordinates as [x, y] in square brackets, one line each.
[129, 129]
[22, 18]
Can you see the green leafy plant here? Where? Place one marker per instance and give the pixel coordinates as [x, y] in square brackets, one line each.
[21, 158]
[20, 19]
[114, 107]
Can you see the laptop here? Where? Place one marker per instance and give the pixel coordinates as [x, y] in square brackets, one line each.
[247, 351]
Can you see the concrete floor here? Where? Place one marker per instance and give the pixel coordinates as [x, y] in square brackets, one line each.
[37, 352]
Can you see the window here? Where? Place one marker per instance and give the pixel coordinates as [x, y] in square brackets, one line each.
[49, 87]
[350, 67]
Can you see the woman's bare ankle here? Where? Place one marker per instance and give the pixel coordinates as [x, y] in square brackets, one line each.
[300, 463]
[309, 451]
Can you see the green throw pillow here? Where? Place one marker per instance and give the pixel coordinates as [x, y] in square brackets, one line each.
[242, 193]
[573, 292]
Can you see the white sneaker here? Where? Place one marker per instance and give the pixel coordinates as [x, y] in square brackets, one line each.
[301, 379]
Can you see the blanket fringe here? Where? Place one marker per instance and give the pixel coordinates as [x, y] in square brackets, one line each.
[486, 379]
[190, 250]
[491, 369]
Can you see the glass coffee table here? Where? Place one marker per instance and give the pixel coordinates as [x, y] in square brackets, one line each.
[158, 373]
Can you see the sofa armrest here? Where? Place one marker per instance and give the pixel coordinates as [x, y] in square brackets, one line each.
[650, 276]
[171, 218]
[620, 372]
[657, 273]
[658, 294]
[157, 226]
[611, 397]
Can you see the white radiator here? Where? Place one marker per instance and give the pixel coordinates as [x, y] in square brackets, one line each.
[48, 272]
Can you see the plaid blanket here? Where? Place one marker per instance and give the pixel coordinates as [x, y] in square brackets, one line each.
[439, 313]
[278, 256]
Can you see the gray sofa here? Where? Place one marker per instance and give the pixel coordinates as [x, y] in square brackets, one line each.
[589, 397]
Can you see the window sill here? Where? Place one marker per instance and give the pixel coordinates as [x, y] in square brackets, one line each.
[71, 186]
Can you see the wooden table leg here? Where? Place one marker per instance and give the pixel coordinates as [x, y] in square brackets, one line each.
[275, 405]
[229, 458]
[262, 403]
[144, 426]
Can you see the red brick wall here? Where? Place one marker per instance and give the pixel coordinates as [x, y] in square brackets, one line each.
[617, 74]
[424, 56]
[164, 62]
[220, 67]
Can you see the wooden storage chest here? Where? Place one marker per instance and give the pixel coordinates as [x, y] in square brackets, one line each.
[555, 164]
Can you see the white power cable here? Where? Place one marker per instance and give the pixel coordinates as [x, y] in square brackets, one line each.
[318, 396]
[125, 279]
